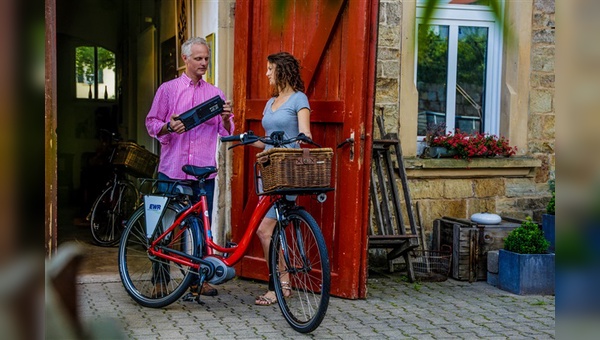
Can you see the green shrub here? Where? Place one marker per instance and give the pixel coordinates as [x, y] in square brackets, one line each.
[550, 209]
[527, 239]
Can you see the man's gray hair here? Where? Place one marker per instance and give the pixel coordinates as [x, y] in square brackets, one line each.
[186, 48]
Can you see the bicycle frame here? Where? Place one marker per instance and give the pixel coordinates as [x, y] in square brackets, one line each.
[236, 253]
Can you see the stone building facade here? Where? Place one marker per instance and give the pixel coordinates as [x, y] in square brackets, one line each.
[515, 186]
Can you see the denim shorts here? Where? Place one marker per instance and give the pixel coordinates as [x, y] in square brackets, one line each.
[271, 212]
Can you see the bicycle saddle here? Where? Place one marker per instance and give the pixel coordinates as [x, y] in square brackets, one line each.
[199, 172]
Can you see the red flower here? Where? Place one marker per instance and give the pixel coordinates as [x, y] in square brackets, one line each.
[468, 146]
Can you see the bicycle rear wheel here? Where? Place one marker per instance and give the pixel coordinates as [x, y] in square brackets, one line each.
[152, 281]
[299, 264]
[110, 212]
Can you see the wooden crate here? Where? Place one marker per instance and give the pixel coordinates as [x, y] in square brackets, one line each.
[470, 243]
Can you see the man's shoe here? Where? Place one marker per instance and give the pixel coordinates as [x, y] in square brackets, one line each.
[208, 290]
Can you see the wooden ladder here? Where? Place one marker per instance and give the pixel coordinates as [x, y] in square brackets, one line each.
[390, 231]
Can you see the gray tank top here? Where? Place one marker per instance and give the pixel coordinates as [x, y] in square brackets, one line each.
[285, 118]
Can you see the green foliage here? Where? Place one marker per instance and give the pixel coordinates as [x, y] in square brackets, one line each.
[432, 56]
[471, 62]
[527, 239]
[550, 208]
[85, 65]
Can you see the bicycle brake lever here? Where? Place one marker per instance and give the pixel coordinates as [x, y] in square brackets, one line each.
[310, 141]
[234, 145]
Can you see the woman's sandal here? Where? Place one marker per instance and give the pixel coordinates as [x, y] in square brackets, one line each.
[270, 297]
[287, 289]
[264, 300]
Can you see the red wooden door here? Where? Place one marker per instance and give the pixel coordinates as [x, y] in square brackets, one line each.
[335, 42]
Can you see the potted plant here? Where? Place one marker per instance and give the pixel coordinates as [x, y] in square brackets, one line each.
[432, 131]
[524, 265]
[548, 219]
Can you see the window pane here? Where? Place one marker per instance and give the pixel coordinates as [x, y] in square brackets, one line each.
[84, 71]
[460, 2]
[470, 2]
[470, 82]
[432, 74]
[106, 73]
[88, 79]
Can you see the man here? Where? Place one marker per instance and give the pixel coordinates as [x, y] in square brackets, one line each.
[198, 145]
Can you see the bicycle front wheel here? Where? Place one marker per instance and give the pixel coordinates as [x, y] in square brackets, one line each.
[152, 281]
[299, 264]
[110, 212]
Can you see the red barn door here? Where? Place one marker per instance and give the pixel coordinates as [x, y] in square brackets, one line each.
[335, 41]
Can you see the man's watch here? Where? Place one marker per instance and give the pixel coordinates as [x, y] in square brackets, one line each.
[169, 128]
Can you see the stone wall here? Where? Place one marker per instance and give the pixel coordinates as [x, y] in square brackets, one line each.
[387, 82]
[541, 104]
[492, 189]
[463, 197]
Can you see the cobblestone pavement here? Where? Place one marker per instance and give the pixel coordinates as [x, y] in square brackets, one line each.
[394, 309]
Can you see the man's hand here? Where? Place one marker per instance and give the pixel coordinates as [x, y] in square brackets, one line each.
[176, 124]
[226, 114]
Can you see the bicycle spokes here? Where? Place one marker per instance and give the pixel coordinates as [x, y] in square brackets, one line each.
[151, 280]
[110, 212]
[300, 268]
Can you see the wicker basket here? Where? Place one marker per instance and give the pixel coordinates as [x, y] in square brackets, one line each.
[301, 168]
[135, 159]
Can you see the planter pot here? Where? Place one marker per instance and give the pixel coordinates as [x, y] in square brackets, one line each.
[548, 229]
[526, 274]
[440, 152]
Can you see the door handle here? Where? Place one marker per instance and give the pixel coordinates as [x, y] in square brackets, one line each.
[350, 141]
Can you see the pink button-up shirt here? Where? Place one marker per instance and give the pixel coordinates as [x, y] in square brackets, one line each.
[197, 146]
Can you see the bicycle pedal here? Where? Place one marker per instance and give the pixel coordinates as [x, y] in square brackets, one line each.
[189, 297]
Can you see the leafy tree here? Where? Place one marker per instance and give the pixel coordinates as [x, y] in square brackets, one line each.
[433, 56]
[84, 61]
[471, 61]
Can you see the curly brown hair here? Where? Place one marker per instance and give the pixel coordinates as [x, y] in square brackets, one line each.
[287, 72]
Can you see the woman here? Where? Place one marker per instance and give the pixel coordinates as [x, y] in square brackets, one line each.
[288, 111]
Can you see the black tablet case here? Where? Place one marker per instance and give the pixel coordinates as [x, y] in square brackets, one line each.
[201, 113]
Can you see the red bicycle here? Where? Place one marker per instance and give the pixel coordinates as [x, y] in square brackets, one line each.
[168, 241]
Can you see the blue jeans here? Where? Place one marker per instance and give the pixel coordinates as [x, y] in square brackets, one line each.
[209, 187]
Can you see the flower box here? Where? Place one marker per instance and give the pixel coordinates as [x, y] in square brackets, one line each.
[467, 146]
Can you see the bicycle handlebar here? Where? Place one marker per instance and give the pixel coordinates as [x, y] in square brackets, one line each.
[275, 139]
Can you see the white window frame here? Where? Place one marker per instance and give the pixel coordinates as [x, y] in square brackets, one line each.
[476, 16]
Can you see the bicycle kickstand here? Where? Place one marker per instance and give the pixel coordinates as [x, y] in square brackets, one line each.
[194, 295]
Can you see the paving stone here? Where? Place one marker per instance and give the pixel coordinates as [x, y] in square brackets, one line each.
[393, 310]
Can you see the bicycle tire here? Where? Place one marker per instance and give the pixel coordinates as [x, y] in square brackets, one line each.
[109, 212]
[155, 282]
[309, 282]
